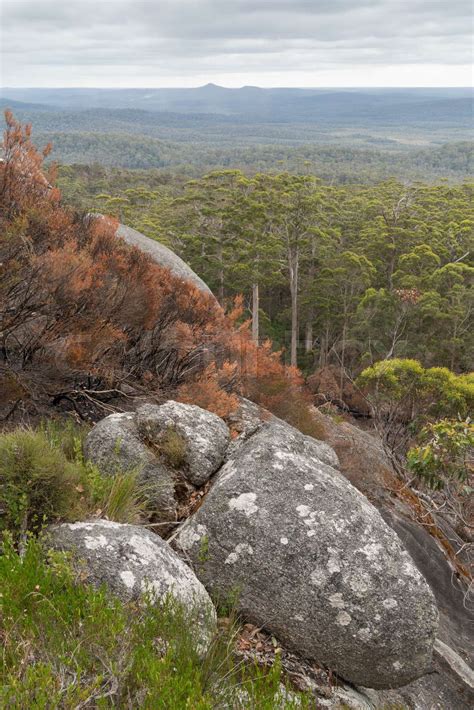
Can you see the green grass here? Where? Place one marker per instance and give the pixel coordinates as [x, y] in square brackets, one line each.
[69, 645]
[44, 478]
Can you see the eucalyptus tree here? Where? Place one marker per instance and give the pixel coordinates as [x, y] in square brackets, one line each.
[290, 206]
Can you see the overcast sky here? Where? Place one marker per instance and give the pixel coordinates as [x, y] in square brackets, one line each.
[125, 43]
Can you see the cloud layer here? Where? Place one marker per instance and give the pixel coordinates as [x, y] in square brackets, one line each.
[267, 42]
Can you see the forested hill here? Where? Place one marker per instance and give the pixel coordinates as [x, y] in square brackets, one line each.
[351, 163]
[347, 136]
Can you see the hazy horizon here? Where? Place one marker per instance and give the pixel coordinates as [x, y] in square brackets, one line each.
[466, 87]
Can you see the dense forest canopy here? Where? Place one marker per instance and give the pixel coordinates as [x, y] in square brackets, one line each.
[350, 273]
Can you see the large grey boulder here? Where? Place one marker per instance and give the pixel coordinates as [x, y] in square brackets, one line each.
[205, 436]
[132, 561]
[114, 445]
[312, 561]
[162, 255]
[437, 552]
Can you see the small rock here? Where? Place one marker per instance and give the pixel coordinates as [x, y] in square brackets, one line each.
[204, 435]
[114, 446]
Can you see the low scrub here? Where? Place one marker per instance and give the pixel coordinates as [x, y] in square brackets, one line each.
[44, 479]
[69, 645]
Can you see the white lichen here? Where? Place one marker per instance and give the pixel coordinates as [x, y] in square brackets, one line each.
[333, 565]
[231, 558]
[343, 618]
[364, 634]
[336, 601]
[244, 503]
[95, 543]
[371, 550]
[317, 578]
[190, 535]
[145, 549]
[359, 584]
[128, 578]
[240, 549]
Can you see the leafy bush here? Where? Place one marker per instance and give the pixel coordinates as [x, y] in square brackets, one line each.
[44, 478]
[445, 453]
[403, 388]
[68, 645]
[405, 397]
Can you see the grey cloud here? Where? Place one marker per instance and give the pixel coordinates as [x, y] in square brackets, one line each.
[269, 35]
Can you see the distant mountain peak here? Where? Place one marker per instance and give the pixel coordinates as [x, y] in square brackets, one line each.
[212, 86]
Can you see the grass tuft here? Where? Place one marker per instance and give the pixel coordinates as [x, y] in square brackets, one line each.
[45, 479]
[172, 447]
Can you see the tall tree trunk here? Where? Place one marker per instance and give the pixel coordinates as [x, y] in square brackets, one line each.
[308, 338]
[308, 341]
[255, 312]
[343, 358]
[294, 269]
[220, 291]
[323, 353]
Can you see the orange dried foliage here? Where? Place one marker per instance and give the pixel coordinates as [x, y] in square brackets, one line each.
[103, 308]
[207, 391]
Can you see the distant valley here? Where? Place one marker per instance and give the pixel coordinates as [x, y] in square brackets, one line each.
[346, 135]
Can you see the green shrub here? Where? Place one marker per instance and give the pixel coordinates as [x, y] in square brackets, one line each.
[38, 483]
[68, 645]
[445, 453]
[44, 478]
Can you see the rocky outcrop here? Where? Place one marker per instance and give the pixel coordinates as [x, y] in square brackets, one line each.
[132, 561]
[274, 554]
[437, 552]
[204, 436]
[175, 447]
[114, 445]
[162, 255]
[311, 560]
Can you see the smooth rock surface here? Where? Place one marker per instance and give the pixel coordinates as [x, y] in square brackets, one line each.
[162, 255]
[132, 561]
[114, 446]
[205, 435]
[312, 561]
